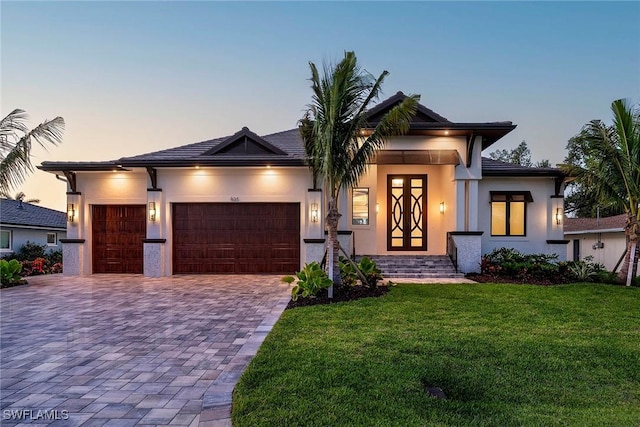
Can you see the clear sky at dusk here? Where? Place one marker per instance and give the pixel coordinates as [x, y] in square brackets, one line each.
[135, 77]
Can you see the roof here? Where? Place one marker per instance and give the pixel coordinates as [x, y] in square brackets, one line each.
[286, 148]
[595, 225]
[491, 167]
[15, 212]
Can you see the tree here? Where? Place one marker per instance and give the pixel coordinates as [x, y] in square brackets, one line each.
[19, 196]
[521, 155]
[16, 141]
[610, 169]
[338, 140]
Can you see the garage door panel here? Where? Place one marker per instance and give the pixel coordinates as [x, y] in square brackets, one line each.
[236, 237]
[117, 234]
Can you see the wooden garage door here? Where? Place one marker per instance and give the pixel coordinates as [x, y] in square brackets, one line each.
[236, 238]
[118, 231]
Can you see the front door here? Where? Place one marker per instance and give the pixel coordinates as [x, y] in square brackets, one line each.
[406, 208]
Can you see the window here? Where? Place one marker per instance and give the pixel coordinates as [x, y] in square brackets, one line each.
[509, 213]
[52, 239]
[5, 239]
[360, 206]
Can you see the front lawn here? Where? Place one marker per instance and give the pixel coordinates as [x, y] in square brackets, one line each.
[504, 355]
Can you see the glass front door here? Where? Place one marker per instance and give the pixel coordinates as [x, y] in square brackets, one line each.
[406, 219]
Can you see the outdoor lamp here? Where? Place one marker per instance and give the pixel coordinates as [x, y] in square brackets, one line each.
[442, 207]
[558, 215]
[71, 212]
[314, 212]
[152, 211]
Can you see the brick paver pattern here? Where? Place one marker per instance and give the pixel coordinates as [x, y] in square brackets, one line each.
[124, 350]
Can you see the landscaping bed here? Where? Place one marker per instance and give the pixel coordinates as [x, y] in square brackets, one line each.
[340, 294]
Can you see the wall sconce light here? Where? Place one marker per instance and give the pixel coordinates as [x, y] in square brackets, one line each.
[377, 207]
[558, 216]
[442, 207]
[152, 211]
[71, 212]
[314, 212]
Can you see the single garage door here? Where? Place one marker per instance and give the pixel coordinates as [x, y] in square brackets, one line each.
[236, 238]
[118, 231]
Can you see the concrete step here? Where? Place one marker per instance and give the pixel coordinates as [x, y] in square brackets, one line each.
[411, 266]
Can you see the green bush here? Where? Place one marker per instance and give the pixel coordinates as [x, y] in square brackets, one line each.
[10, 272]
[347, 272]
[30, 251]
[312, 279]
[371, 272]
[512, 263]
[287, 279]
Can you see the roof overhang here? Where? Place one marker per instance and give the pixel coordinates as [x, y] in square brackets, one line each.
[596, 231]
[417, 157]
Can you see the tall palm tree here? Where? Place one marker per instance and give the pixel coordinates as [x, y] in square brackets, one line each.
[16, 140]
[19, 196]
[339, 142]
[614, 171]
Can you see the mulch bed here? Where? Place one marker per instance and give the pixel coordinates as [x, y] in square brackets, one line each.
[341, 294]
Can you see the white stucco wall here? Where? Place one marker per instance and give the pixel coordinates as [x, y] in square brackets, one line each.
[540, 222]
[614, 246]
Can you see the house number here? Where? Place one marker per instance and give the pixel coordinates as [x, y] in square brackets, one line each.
[235, 199]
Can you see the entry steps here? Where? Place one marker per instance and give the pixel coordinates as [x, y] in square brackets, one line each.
[414, 266]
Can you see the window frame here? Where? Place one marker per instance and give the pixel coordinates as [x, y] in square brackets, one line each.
[508, 199]
[368, 192]
[10, 248]
[55, 238]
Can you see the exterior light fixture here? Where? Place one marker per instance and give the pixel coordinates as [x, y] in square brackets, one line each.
[558, 216]
[71, 212]
[446, 132]
[152, 211]
[377, 207]
[442, 207]
[314, 212]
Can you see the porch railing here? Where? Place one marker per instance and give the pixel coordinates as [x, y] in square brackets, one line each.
[452, 250]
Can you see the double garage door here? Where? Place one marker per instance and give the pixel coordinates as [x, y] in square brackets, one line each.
[207, 238]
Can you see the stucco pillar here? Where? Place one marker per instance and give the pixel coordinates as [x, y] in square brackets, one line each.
[468, 246]
[314, 239]
[472, 208]
[73, 246]
[154, 245]
[461, 205]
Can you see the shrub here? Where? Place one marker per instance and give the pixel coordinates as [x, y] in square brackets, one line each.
[30, 251]
[287, 279]
[54, 257]
[371, 272]
[311, 280]
[10, 272]
[582, 271]
[347, 272]
[511, 263]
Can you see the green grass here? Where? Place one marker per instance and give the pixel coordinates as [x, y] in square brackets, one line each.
[505, 355]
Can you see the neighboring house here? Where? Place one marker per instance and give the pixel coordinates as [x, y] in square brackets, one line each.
[602, 238]
[247, 203]
[23, 222]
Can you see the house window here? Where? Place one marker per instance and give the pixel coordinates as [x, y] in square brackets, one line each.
[509, 213]
[5, 239]
[52, 239]
[360, 206]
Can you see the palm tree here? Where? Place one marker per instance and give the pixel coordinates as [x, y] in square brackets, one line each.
[339, 142]
[20, 196]
[16, 140]
[613, 173]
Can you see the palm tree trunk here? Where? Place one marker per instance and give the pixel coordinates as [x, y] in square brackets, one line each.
[629, 267]
[333, 216]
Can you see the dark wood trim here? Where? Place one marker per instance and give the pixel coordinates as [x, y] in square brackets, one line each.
[79, 241]
[341, 232]
[154, 189]
[71, 179]
[558, 242]
[314, 240]
[471, 139]
[154, 240]
[314, 190]
[466, 233]
[153, 176]
[73, 193]
[558, 184]
[557, 196]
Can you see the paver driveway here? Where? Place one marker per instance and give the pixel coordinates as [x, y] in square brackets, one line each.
[122, 350]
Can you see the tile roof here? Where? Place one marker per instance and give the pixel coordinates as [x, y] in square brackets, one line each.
[492, 167]
[586, 225]
[14, 212]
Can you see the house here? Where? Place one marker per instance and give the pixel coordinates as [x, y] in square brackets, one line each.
[23, 222]
[603, 239]
[247, 203]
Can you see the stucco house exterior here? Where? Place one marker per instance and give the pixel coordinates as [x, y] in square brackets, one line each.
[247, 203]
[601, 238]
[24, 222]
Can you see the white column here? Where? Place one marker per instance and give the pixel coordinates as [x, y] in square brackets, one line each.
[473, 207]
[154, 246]
[461, 206]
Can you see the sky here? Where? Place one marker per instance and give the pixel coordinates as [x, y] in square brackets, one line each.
[136, 77]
